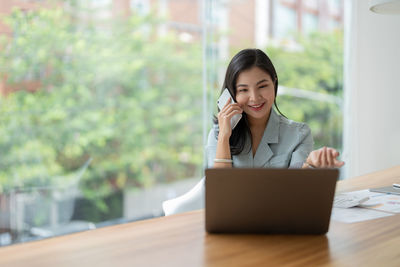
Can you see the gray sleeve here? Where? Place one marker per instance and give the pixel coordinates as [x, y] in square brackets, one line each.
[211, 148]
[304, 147]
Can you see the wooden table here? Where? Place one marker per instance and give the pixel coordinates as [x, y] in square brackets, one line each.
[180, 240]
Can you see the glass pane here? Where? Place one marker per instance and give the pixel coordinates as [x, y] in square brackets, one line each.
[102, 102]
[311, 4]
[291, 2]
[311, 83]
[335, 6]
[309, 63]
[310, 23]
[100, 114]
[287, 25]
[141, 7]
[335, 25]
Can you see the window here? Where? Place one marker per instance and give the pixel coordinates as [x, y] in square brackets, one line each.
[104, 114]
[310, 23]
[142, 7]
[335, 7]
[100, 119]
[286, 22]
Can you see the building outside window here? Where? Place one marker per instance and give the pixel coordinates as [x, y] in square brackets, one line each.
[287, 25]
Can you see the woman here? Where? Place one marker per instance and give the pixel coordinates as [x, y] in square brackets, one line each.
[262, 138]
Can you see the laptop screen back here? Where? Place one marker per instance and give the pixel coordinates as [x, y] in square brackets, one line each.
[294, 201]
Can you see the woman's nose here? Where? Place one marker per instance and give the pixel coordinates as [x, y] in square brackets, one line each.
[254, 95]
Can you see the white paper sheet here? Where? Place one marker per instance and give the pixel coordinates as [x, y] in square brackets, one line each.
[352, 215]
[384, 202]
[376, 201]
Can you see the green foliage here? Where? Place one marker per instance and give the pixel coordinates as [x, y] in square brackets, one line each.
[110, 89]
[315, 66]
[115, 91]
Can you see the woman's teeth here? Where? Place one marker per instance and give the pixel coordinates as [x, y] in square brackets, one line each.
[257, 106]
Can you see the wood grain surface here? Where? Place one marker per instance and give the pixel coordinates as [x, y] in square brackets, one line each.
[180, 240]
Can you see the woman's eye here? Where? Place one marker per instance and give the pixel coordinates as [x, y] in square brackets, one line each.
[242, 90]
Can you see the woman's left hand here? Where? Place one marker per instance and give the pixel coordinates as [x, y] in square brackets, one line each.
[325, 157]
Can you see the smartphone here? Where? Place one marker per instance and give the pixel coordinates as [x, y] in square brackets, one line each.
[221, 103]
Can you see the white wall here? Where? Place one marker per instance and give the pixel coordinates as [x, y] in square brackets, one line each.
[372, 90]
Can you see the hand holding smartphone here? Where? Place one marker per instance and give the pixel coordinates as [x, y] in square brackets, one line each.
[221, 103]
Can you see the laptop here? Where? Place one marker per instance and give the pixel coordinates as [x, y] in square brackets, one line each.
[270, 201]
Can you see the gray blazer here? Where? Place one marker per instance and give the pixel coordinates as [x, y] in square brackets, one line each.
[285, 144]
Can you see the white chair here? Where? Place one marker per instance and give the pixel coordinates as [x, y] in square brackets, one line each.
[192, 200]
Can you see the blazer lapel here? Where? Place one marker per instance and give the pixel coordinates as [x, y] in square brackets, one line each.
[270, 136]
[244, 159]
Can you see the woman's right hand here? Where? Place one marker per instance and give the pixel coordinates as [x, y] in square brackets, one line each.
[325, 157]
[224, 118]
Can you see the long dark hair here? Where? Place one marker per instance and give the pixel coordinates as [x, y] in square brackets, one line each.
[244, 60]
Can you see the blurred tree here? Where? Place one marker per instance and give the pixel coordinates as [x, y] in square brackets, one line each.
[316, 66]
[110, 89]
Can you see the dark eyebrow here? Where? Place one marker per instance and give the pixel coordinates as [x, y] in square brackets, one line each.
[259, 82]
[264, 80]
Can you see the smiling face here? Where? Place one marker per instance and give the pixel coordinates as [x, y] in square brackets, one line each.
[255, 93]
